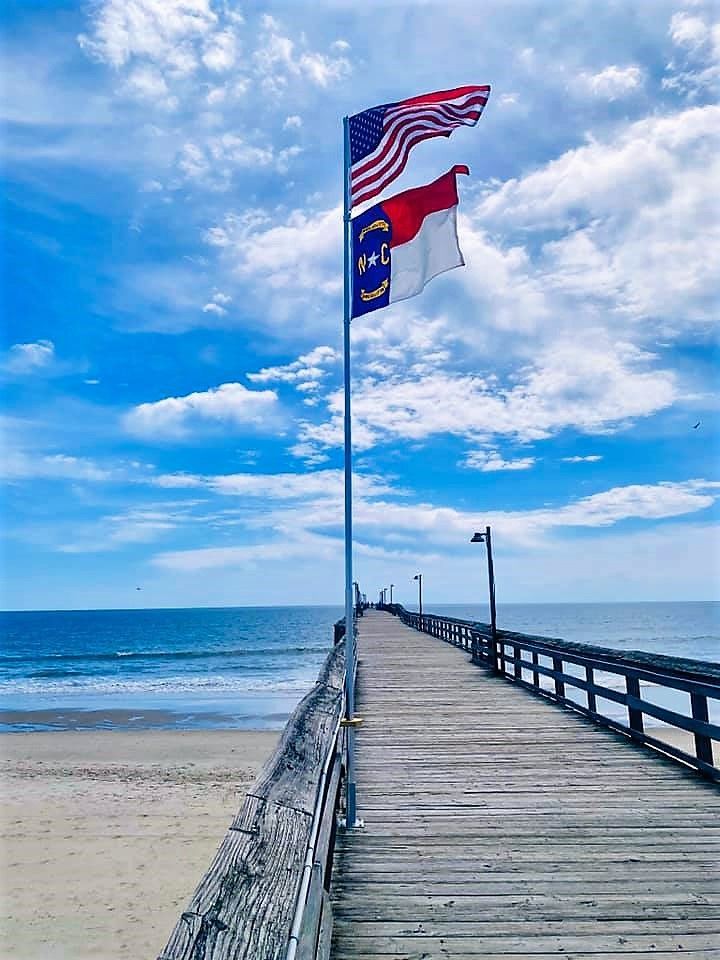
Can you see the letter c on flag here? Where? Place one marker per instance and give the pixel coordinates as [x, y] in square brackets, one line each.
[384, 254]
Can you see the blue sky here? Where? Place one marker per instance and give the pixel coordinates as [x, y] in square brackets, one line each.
[171, 298]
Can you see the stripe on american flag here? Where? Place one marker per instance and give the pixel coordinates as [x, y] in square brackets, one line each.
[382, 138]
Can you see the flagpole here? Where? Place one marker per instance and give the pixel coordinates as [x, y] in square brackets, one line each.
[350, 789]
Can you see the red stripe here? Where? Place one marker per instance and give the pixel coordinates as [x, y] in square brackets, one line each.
[414, 123]
[414, 118]
[442, 95]
[379, 186]
[407, 211]
[401, 109]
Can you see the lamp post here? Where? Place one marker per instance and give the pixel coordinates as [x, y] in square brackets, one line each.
[391, 590]
[418, 577]
[487, 540]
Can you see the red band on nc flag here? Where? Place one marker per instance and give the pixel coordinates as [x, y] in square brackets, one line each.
[402, 243]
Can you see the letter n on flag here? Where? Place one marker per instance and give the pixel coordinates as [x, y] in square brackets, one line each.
[402, 243]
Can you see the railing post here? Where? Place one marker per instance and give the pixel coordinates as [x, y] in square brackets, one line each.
[703, 744]
[536, 675]
[517, 672]
[559, 685]
[590, 678]
[632, 685]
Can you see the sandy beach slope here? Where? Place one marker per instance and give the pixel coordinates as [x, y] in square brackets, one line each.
[106, 834]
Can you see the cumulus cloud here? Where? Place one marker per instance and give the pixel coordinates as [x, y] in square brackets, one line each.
[278, 59]
[28, 358]
[612, 82]
[609, 205]
[696, 68]
[590, 388]
[305, 373]
[295, 258]
[230, 404]
[166, 32]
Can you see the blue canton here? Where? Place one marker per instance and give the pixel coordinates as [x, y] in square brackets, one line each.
[366, 130]
[371, 237]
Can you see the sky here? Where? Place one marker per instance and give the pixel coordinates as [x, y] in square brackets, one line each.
[171, 357]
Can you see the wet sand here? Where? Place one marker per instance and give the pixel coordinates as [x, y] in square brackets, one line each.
[106, 834]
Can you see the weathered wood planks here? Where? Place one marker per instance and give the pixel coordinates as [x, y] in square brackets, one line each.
[500, 824]
[244, 906]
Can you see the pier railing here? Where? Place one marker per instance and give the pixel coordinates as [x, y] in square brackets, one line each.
[265, 894]
[617, 689]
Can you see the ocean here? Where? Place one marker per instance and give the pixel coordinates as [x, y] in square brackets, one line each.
[247, 667]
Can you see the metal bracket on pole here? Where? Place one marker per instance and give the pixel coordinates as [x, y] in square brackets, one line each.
[351, 721]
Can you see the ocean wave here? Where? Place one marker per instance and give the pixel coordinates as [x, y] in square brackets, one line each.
[166, 654]
[205, 685]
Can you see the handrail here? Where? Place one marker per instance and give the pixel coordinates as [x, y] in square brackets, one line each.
[518, 657]
[254, 902]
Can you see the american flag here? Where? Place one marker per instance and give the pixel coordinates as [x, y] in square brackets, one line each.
[381, 138]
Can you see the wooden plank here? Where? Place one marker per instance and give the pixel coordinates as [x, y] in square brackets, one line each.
[497, 823]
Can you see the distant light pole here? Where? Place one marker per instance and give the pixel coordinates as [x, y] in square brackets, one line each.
[487, 540]
[391, 590]
[418, 577]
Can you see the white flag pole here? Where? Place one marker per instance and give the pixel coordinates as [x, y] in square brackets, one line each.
[350, 789]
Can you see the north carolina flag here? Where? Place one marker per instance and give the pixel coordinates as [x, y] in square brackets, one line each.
[402, 243]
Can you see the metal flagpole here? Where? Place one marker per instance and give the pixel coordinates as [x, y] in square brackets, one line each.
[350, 795]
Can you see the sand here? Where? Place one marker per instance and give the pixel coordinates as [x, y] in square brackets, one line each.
[106, 834]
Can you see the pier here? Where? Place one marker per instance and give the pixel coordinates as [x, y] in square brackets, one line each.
[507, 811]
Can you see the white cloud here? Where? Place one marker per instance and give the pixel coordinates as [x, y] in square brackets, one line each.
[610, 205]
[591, 458]
[277, 60]
[146, 82]
[164, 31]
[688, 30]
[305, 372]
[292, 123]
[591, 388]
[612, 82]
[698, 48]
[19, 465]
[296, 258]
[489, 461]
[220, 51]
[231, 404]
[26, 358]
[214, 308]
[446, 525]
[297, 547]
[277, 486]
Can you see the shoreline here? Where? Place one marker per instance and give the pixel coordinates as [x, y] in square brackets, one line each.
[106, 833]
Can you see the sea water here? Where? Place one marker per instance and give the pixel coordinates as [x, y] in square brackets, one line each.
[247, 667]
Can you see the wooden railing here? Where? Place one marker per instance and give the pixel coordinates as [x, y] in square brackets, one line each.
[549, 666]
[265, 894]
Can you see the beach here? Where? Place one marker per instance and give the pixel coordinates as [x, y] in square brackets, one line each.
[106, 834]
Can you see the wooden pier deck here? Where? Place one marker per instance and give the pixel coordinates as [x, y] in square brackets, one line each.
[498, 824]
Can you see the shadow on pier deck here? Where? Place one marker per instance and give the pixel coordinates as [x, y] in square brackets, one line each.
[499, 824]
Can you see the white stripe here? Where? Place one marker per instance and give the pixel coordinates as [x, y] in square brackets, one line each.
[442, 120]
[433, 250]
[397, 153]
[384, 175]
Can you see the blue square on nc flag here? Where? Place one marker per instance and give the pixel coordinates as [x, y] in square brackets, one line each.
[371, 239]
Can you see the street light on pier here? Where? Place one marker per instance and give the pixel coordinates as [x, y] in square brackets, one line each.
[418, 577]
[487, 540]
[391, 590]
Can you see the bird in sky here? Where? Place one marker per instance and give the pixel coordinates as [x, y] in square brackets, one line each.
[697, 424]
